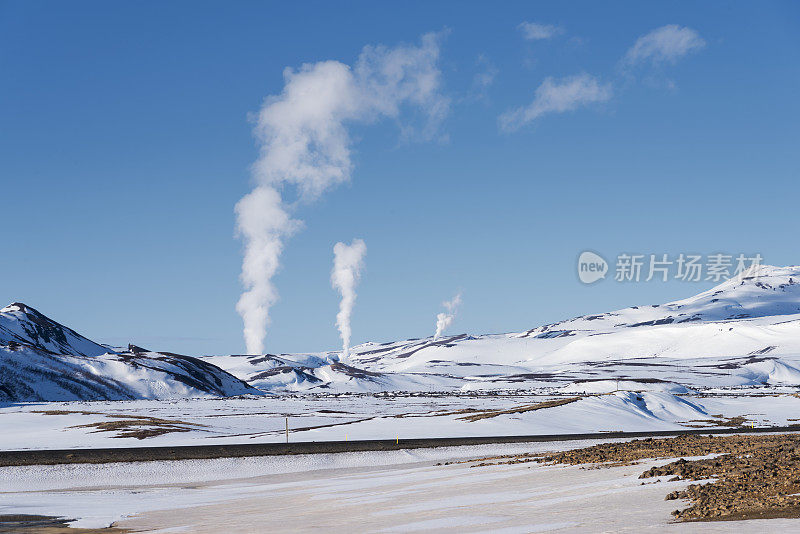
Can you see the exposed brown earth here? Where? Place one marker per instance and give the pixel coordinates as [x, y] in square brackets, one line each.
[130, 426]
[755, 476]
[477, 415]
[38, 524]
[718, 420]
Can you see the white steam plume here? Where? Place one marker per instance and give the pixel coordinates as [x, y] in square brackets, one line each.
[446, 318]
[264, 224]
[348, 260]
[305, 150]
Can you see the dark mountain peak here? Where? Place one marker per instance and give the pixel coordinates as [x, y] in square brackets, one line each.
[136, 349]
[21, 307]
[21, 323]
[31, 313]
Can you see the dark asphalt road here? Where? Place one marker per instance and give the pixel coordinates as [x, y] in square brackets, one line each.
[205, 452]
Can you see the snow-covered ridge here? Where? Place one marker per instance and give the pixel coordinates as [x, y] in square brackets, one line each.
[743, 331]
[765, 291]
[42, 360]
[20, 323]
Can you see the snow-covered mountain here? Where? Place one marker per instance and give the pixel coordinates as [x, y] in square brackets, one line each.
[42, 360]
[745, 331]
[22, 324]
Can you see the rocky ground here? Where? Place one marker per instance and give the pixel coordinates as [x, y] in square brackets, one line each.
[745, 476]
[37, 524]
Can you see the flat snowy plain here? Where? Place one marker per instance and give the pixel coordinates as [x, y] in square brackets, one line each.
[396, 491]
[208, 421]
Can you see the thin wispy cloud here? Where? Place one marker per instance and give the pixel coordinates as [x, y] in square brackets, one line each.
[666, 44]
[483, 78]
[533, 31]
[557, 96]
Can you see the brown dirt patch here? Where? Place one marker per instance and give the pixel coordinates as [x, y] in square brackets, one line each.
[718, 420]
[133, 426]
[129, 426]
[65, 412]
[518, 409]
[39, 524]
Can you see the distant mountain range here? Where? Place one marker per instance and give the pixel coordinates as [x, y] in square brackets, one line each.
[743, 332]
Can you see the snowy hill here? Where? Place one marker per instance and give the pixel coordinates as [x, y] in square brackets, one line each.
[315, 373]
[22, 324]
[745, 331]
[42, 360]
[765, 292]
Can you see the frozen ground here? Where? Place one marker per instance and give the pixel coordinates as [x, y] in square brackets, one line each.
[355, 492]
[340, 417]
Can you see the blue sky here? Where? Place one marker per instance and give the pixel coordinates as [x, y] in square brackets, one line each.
[126, 140]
